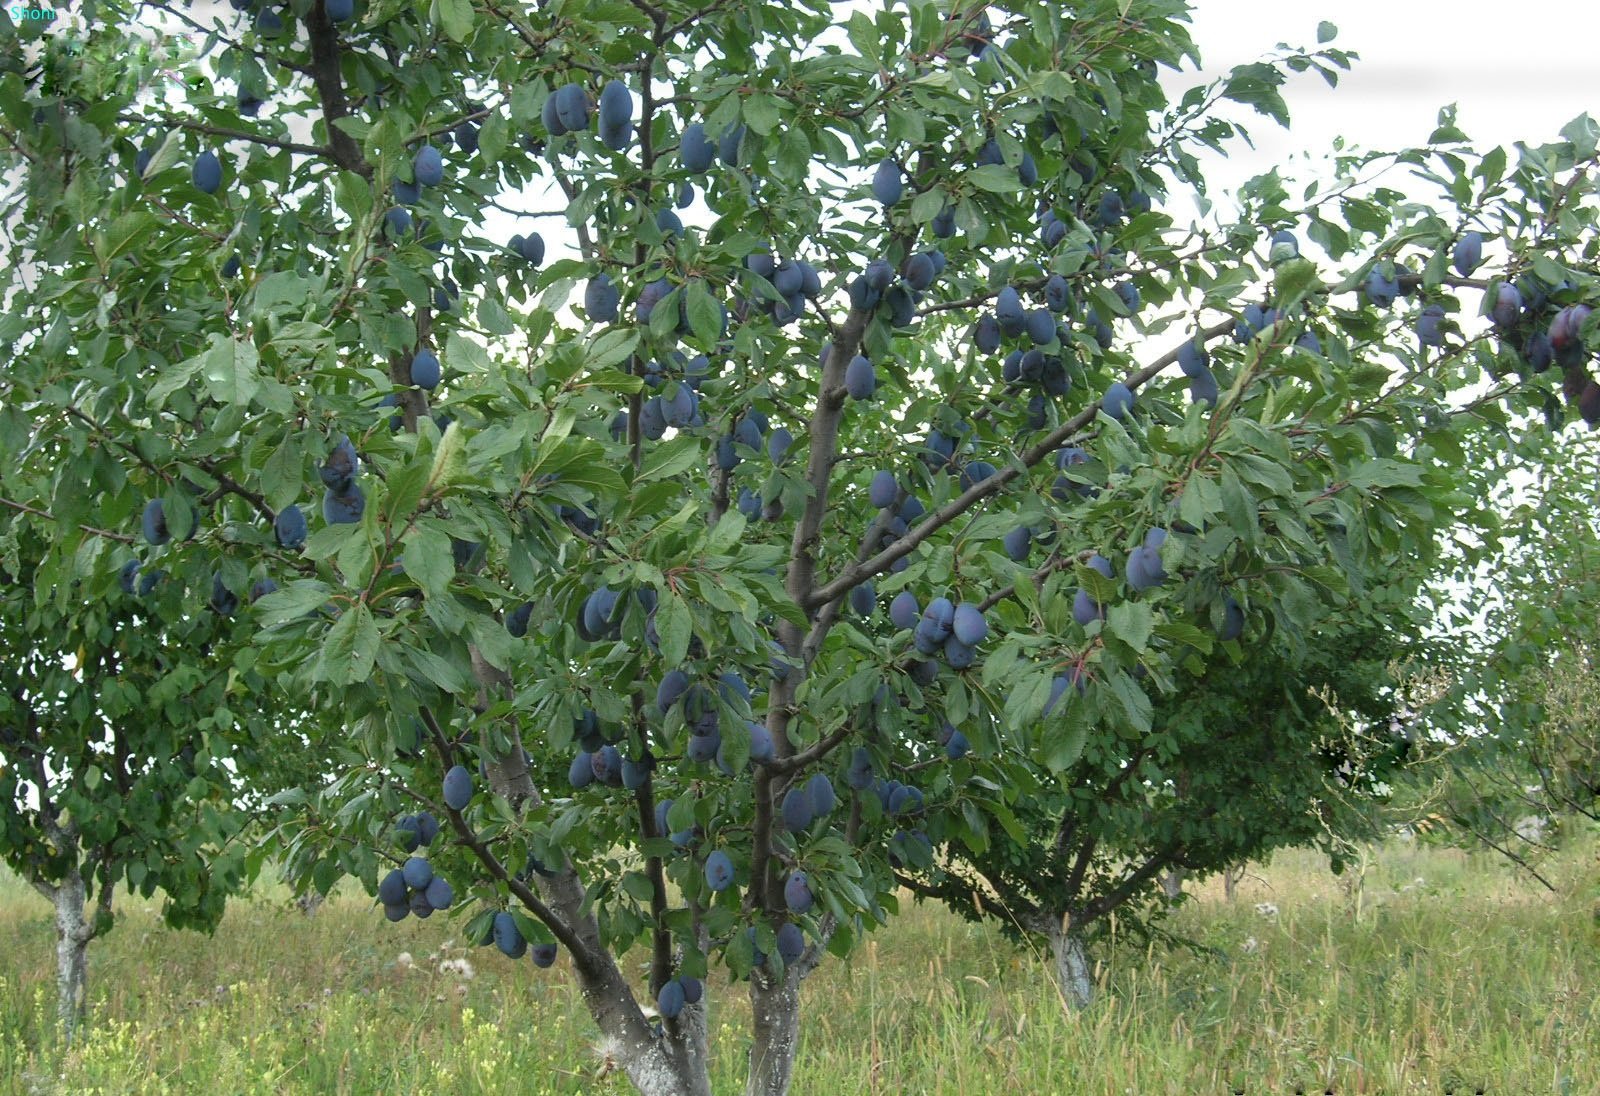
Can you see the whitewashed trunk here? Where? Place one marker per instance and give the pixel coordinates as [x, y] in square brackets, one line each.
[688, 1045]
[775, 1033]
[1074, 973]
[655, 1066]
[73, 933]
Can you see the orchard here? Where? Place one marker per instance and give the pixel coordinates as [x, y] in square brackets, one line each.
[861, 476]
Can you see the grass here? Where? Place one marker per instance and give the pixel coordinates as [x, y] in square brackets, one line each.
[1439, 973]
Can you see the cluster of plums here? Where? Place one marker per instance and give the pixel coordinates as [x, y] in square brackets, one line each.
[343, 501]
[413, 888]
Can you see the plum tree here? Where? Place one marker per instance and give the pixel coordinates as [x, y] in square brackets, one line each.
[102, 787]
[585, 471]
[1207, 811]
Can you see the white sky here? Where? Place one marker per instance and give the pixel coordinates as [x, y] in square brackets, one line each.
[1514, 73]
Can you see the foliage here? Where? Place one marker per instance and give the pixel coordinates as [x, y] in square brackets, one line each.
[127, 740]
[1514, 710]
[1192, 797]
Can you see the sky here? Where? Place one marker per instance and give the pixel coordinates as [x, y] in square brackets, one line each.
[1513, 76]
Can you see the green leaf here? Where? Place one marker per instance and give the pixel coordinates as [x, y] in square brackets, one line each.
[428, 560]
[1548, 270]
[449, 460]
[674, 624]
[666, 459]
[1135, 704]
[350, 647]
[292, 602]
[1063, 745]
[281, 480]
[680, 816]
[1293, 280]
[1027, 699]
[492, 316]
[456, 18]
[636, 886]
[175, 377]
[763, 113]
[231, 370]
[1131, 622]
[995, 178]
[1384, 473]
[705, 315]
[402, 493]
[1326, 32]
[124, 233]
[165, 156]
[611, 347]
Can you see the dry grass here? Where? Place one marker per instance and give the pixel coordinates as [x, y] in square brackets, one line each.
[1438, 973]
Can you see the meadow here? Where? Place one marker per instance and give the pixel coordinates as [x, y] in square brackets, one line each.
[1428, 971]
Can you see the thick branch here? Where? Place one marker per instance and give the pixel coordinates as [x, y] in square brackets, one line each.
[1130, 883]
[330, 90]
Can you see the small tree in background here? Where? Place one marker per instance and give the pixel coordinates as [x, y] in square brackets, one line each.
[1515, 706]
[1192, 797]
[125, 744]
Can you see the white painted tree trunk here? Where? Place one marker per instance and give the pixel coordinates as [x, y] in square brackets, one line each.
[688, 1046]
[1074, 973]
[775, 1033]
[656, 1067]
[73, 932]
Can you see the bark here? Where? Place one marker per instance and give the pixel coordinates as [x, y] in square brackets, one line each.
[653, 1066]
[775, 1032]
[73, 933]
[1074, 972]
[689, 1046]
[1172, 883]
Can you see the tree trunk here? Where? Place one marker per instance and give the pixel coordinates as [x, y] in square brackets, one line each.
[1230, 881]
[688, 1044]
[1074, 973]
[655, 1066]
[1172, 883]
[775, 1032]
[73, 932]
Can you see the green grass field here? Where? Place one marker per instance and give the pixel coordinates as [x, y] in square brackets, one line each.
[1440, 973]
